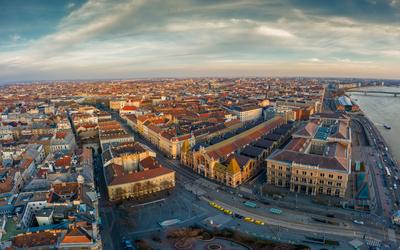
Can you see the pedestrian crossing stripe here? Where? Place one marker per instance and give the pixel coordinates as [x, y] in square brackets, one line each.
[373, 243]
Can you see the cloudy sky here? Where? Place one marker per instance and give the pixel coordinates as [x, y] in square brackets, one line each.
[77, 39]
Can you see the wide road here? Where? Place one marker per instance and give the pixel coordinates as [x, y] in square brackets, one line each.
[380, 159]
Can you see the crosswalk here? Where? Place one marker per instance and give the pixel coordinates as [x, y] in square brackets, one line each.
[373, 242]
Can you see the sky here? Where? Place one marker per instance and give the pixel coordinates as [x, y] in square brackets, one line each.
[94, 39]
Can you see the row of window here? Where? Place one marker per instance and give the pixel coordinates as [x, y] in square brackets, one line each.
[331, 176]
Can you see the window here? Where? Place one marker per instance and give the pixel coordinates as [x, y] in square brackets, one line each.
[329, 191]
[304, 173]
[321, 181]
[339, 184]
[322, 175]
[329, 183]
[331, 176]
[340, 177]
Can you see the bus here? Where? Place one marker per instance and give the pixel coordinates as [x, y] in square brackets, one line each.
[250, 204]
[387, 171]
[275, 210]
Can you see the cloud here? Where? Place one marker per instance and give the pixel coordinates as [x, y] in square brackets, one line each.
[139, 36]
[274, 32]
[15, 38]
[70, 5]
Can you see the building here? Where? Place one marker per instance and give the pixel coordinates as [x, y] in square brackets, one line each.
[149, 177]
[248, 112]
[317, 160]
[236, 170]
[128, 155]
[155, 129]
[63, 141]
[222, 161]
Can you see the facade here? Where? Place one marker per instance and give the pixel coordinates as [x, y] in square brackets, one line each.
[248, 113]
[236, 170]
[127, 155]
[317, 160]
[149, 177]
[63, 141]
[223, 161]
[154, 129]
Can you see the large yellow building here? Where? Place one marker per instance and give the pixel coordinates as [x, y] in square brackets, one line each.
[235, 170]
[223, 161]
[317, 160]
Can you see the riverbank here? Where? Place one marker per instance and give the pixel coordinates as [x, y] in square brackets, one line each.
[380, 110]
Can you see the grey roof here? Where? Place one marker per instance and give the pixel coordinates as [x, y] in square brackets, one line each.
[252, 151]
[263, 143]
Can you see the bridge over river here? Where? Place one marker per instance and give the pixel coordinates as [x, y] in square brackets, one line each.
[366, 91]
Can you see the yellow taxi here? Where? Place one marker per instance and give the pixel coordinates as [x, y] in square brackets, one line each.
[248, 219]
[228, 211]
[258, 222]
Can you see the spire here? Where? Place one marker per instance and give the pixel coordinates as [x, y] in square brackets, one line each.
[185, 146]
[233, 166]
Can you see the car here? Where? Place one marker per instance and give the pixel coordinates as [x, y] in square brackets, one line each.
[258, 222]
[227, 211]
[248, 219]
[239, 216]
[359, 222]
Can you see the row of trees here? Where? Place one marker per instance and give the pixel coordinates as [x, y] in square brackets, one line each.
[139, 189]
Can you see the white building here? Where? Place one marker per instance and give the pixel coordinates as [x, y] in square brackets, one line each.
[248, 113]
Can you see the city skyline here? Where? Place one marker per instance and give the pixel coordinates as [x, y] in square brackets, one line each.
[47, 40]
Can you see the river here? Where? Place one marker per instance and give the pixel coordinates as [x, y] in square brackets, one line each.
[383, 109]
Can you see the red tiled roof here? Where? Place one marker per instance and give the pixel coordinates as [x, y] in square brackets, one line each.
[76, 235]
[117, 177]
[64, 161]
[307, 130]
[296, 144]
[149, 163]
[310, 159]
[7, 185]
[129, 108]
[30, 240]
[61, 135]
